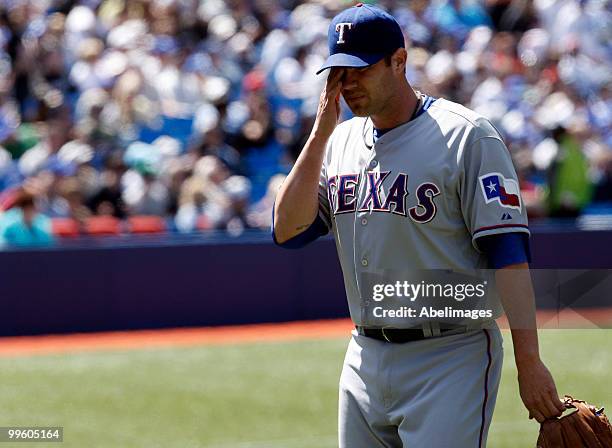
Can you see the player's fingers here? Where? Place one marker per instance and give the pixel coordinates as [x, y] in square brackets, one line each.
[557, 403]
[546, 407]
[554, 406]
[334, 92]
[335, 74]
[534, 413]
[334, 82]
[330, 97]
[551, 401]
[560, 404]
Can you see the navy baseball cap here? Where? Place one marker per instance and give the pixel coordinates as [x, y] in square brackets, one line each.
[361, 36]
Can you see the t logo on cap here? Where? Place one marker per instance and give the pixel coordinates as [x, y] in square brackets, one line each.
[340, 30]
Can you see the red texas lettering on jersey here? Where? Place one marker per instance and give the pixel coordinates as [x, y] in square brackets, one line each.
[342, 193]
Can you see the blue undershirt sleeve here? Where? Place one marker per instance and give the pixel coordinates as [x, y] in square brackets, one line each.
[505, 249]
[317, 228]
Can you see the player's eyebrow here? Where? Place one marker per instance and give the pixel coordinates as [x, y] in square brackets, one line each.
[358, 69]
[367, 67]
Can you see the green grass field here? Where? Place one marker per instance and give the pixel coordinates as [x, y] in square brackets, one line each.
[270, 395]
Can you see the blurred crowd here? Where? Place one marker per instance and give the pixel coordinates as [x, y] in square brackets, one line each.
[194, 110]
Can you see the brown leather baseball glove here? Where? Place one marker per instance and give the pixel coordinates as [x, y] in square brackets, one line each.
[586, 427]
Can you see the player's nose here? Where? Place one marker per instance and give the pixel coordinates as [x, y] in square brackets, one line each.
[349, 83]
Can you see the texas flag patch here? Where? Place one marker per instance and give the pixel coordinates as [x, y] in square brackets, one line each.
[496, 187]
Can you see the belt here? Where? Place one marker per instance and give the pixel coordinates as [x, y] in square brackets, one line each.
[399, 335]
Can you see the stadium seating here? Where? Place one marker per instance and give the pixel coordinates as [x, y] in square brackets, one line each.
[65, 227]
[203, 223]
[103, 225]
[146, 224]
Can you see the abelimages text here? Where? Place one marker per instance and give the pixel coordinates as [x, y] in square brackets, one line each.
[431, 313]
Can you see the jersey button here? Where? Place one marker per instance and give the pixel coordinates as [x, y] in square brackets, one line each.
[364, 221]
[364, 262]
[373, 164]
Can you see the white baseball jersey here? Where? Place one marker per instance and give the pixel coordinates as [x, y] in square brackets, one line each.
[418, 197]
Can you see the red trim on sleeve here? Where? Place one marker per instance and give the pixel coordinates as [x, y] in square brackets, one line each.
[501, 226]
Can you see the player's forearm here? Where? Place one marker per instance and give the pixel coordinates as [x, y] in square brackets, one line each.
[297, 202]
[516, 293]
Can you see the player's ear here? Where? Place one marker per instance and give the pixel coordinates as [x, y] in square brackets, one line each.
[398, 60]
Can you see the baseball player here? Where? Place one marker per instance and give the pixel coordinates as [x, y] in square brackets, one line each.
[413, 182]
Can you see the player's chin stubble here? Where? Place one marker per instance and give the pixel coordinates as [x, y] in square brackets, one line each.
[367, 108]
[359, 107]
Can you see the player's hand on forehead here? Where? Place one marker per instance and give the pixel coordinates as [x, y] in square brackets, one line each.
[333, 84]
[328, 111]
[335, 76]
